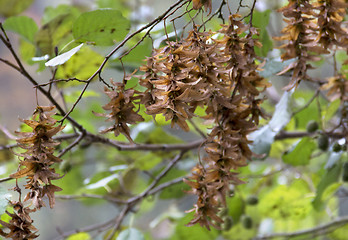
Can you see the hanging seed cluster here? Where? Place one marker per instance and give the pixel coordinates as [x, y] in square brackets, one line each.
[36, 166]
[122, 108]
[215, 71]
[313, 28]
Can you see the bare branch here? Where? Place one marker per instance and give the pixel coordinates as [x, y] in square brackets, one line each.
[5, 179]
[312, 232]
[93, 196]
[73, 144]
[144, 147]
[61, 80]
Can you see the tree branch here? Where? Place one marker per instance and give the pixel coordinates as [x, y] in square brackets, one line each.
[316, 231]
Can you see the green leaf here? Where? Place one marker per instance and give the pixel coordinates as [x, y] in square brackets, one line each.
[130, 234]
[27, 51]
[62, 58]
[301, 153]
[331, 176]
[264, 137]
[80, 236]
[331, 110]
[195, 232]
[147, 161]
[120, 5]
[102, 27]
[282, 113]
[339, 233]
[273, 66]
[63, 9]
[72, 181]
[331, 190]
[286, 202]
[333, 159]
[262, 141]
[13, 7]
[236, 207]
[260, 21]
[22, 25]
[55, 33]
[309, 113]
[177, 190]
[81, 66]
[138, 54]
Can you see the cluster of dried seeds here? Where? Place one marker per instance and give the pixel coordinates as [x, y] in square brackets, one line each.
[36, 167]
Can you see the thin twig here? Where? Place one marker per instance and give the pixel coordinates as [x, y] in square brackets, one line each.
[93, 196]
[131, 202]
[10, 64]
[307, 104]
[118, 221]
[159, 177]
[167, 147]
[73, 144]
[145, 147]
[5, 179]
[7, 132]
[165, 185]
[60, 80]
[90, 228]
[197, 129]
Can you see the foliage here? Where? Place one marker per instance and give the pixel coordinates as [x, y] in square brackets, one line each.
[224, 109]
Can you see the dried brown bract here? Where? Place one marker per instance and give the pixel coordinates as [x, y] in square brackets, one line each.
[36, 166]
[197, 4]
[234, 108]
[329, 19]
[312, 29]
[180, 76]
[20, 225]
[39, 157]
[221, 76]
[300, 34]
[122, 108]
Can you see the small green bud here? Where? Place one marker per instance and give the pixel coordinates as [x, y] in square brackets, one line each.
[228, 223]
[312, 126]
[247, 222]
[323, 142]
[336, 147]
[252, 200]
[345, 172]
